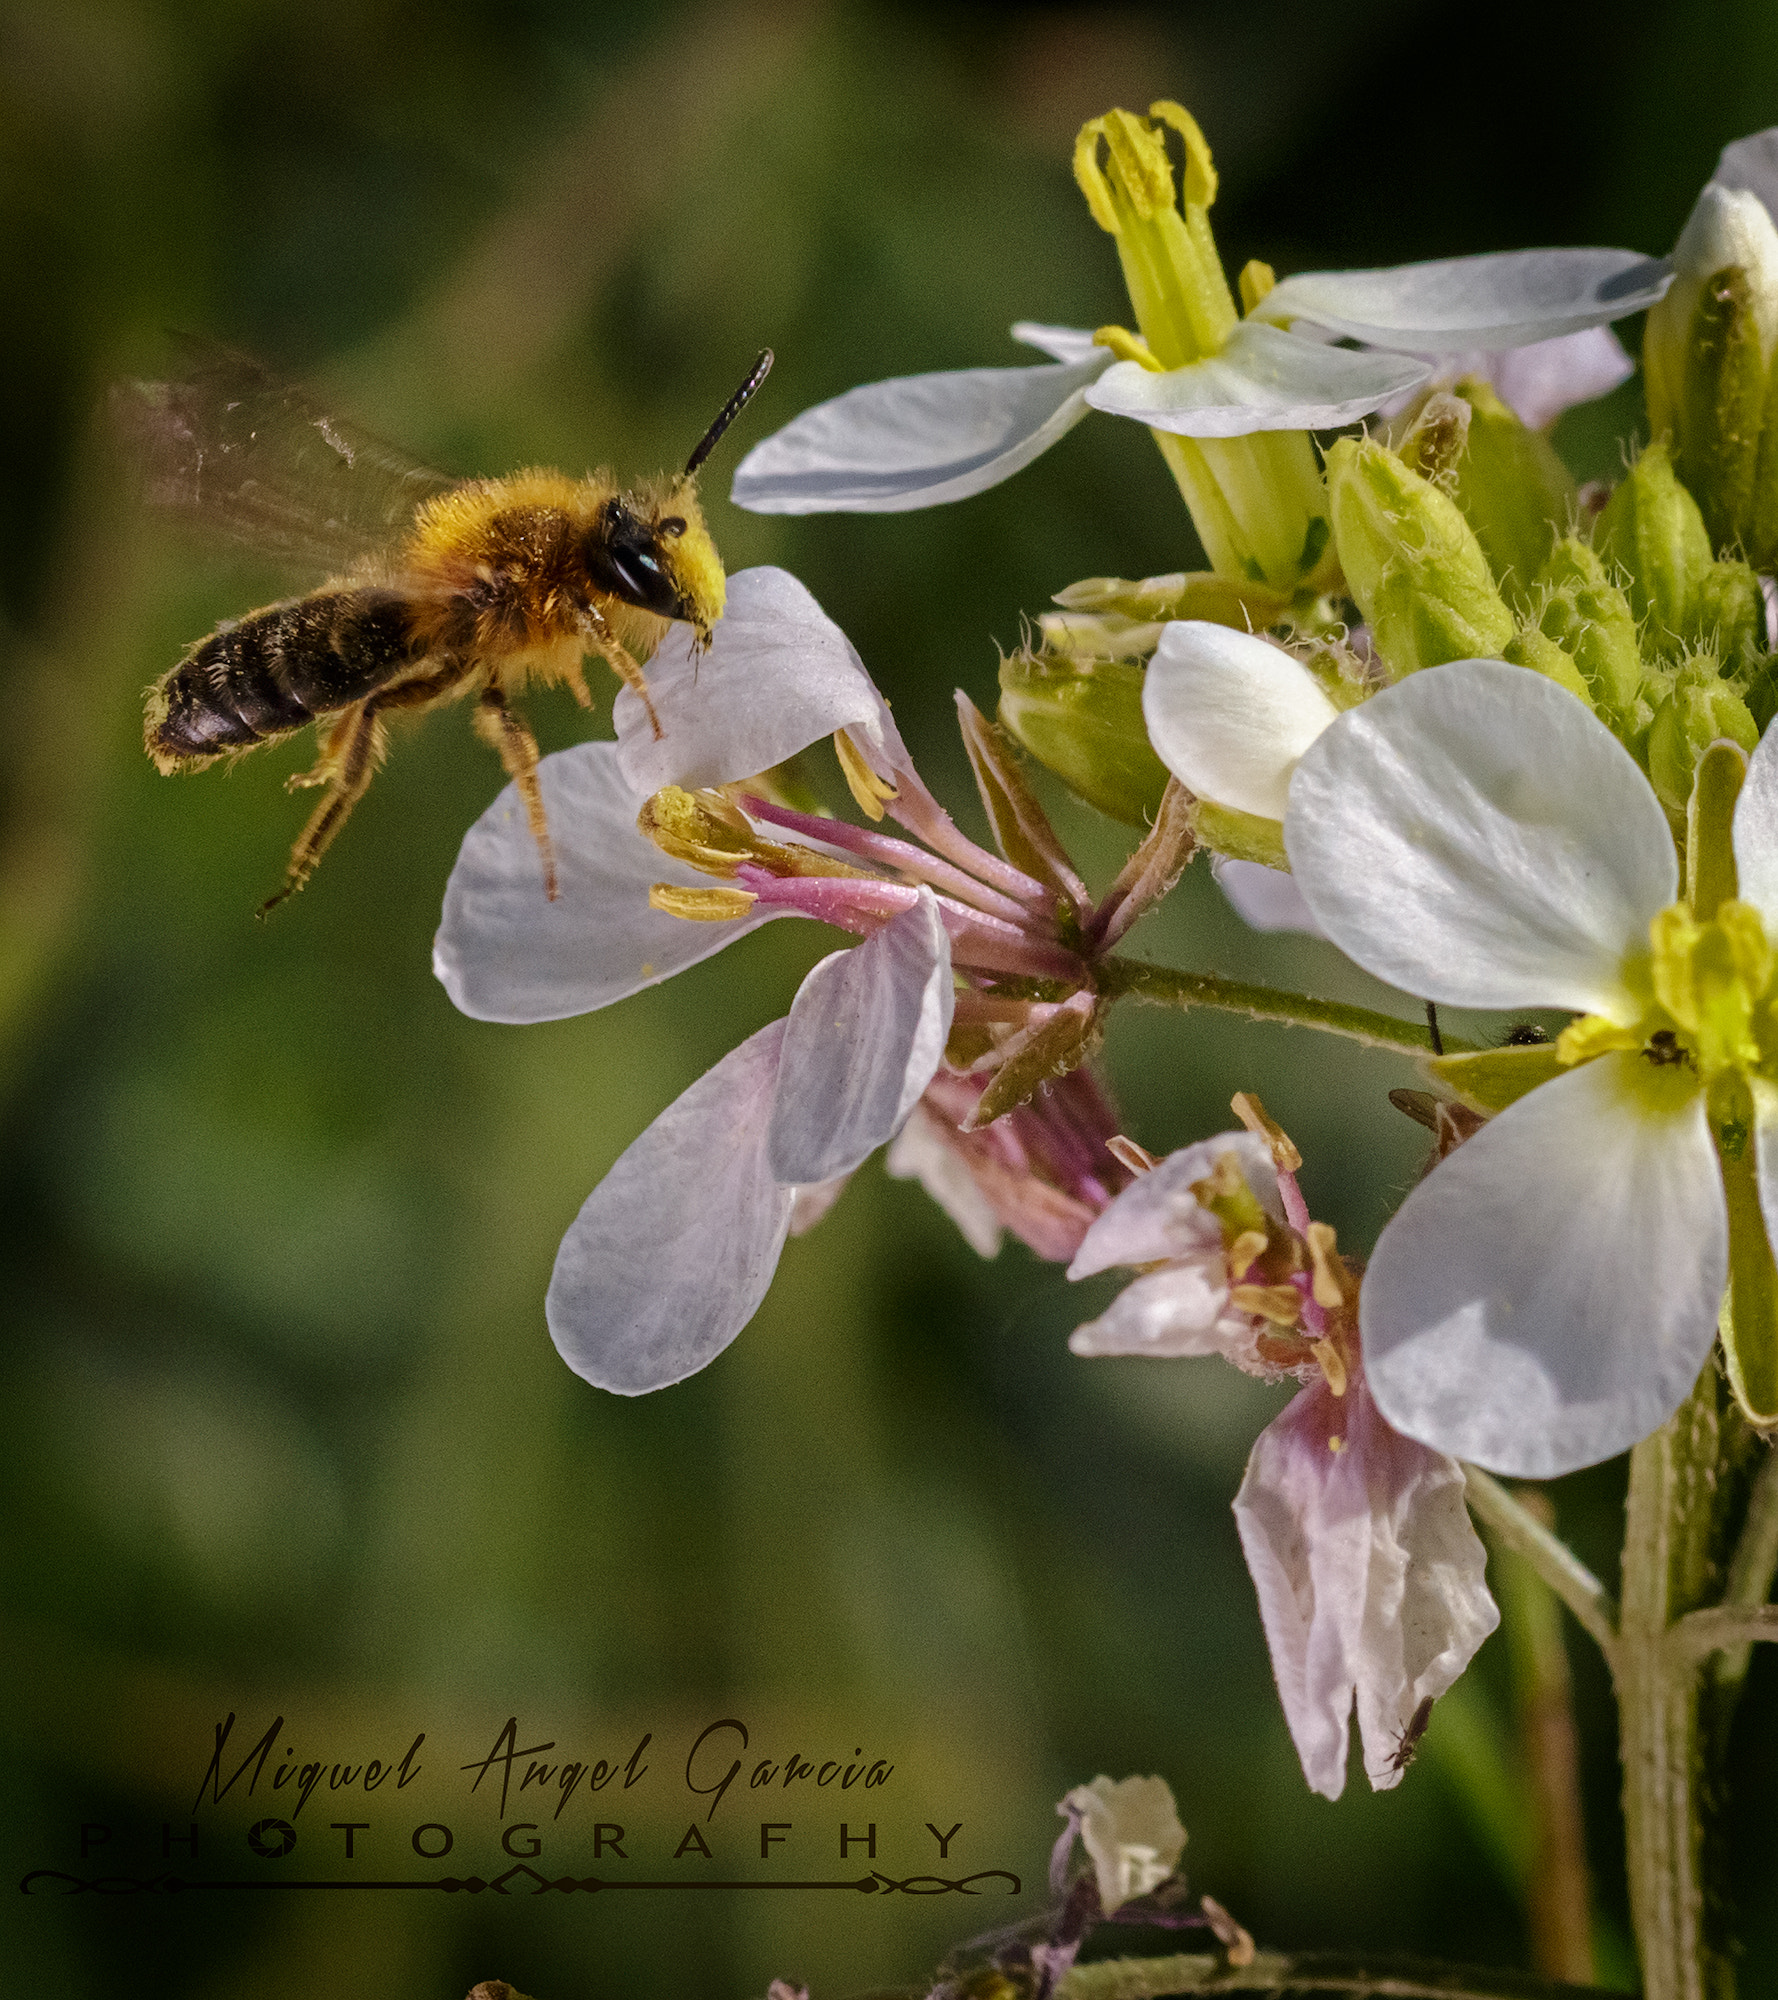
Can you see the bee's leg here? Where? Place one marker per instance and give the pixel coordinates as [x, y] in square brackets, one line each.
[333, 748]
[505, 730]
[575, 681]
[354, 749]
[616, 656]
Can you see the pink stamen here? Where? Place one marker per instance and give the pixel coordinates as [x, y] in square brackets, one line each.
[917, 810]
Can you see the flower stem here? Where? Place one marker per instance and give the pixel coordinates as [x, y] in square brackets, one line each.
[1303, 1973]
[1551, 1557]
[1170, 987]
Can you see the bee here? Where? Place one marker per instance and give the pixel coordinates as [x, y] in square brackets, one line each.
[1407, 1741]
[434, 588]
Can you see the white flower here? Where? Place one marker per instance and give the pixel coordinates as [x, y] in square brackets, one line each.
[1547, 1296]
[1369, 1574]
[1130, 1829]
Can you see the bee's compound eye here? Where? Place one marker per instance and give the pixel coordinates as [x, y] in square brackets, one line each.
[673, 525]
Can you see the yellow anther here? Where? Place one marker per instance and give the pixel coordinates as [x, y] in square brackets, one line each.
[1254, 1115]
[1593, 1035]
[1137, 1158]
[1333, 1364]
[1128, 346]
[1329, 1282]
[871, 792]
[700, 828]
[1245, 1252]
[704, 906]
[1256, 281]
[1281, 1304]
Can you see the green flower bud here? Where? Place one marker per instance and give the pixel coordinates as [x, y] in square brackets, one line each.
[1083, 720]
[1584, 612]
[1729, 617]
[1707, 355]
[1653, 532]
[1699, 707]
[1528, 647]
[1514, 490]
[1412, 562]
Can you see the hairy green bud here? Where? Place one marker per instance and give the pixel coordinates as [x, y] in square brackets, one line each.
[1412, 562]
[1528, 647]
[1514, 490]
[1652, 531]
[1584, 612]
[1082, 719]
[1698, 707]
[1729, 616]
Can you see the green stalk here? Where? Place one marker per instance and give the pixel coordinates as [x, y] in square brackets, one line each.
[1301, 1974]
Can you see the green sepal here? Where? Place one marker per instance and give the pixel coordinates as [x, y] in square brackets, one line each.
[1241, 836]
[1722, 400]
[1062, 1043]
[1749, 1322]
[1491, 1079]
[1652, 530]
[1220, 600]
[1083, 721]
[1412, 562]
[1528, 647]
[1514, 490]
[1585, 613]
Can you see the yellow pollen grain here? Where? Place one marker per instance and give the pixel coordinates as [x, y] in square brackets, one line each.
[1336, 1445]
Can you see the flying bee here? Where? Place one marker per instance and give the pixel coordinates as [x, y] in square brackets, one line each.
[434, 588]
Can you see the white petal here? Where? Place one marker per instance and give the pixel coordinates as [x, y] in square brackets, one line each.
[915, 441]
[1506, 299]
[1175, 1314]
[864, 1038]
[1476, 835]
[676, 1246]
[1265, 899]
[1369, 1576]
[1060, 343]
[1229, 714]
[506, 953]
[1130, 1829]
[1752, 163]
[1158, 1216]
[1542, 380]
[779, 675]
[1756, 832]
[1546, 1297]
[921, 1152]
[1263, 380]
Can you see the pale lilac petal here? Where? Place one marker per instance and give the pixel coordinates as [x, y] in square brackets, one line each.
[915, 441]
[1157, 1215]
[1176, 1314]
[1060, 343]
[1756, 832]
[813, 1203]
[1265, 899]
[865, 1035]
[676, 1246]
[1230, 714]
[1506, 299]
[1752, 164]
[505, 952]
[1475, 835]
[1546, 1297]
[1542, 380]
[779, 675]
[921, 1152]
[1262, 380]
[1369, 1577]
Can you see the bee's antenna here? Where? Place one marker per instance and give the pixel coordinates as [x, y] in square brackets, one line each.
[730, 411]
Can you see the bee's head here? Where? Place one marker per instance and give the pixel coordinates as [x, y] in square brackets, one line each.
[652, 550]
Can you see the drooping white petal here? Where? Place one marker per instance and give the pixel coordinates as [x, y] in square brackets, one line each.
[778, 676]
[506, 953]
[1060, 343]
[1178, 1313]
[1262, 380]
[1230, 714]
[1476, 836]
[1130, 1829]
[674, 1249]
[1506, 299]
[1547, 1295]
[865, 1035]
[1756, 832]
[1752, 163]
[916, 441]
[1369, 1577]
[1265, 899]
[1157, 1216]
[921, 1152]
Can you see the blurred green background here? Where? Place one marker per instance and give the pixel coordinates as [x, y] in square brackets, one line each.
[283, 1429]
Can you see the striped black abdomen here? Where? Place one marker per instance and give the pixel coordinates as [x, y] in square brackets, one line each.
[269, 673]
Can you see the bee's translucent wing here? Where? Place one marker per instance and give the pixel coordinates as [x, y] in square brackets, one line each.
[239, 453]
